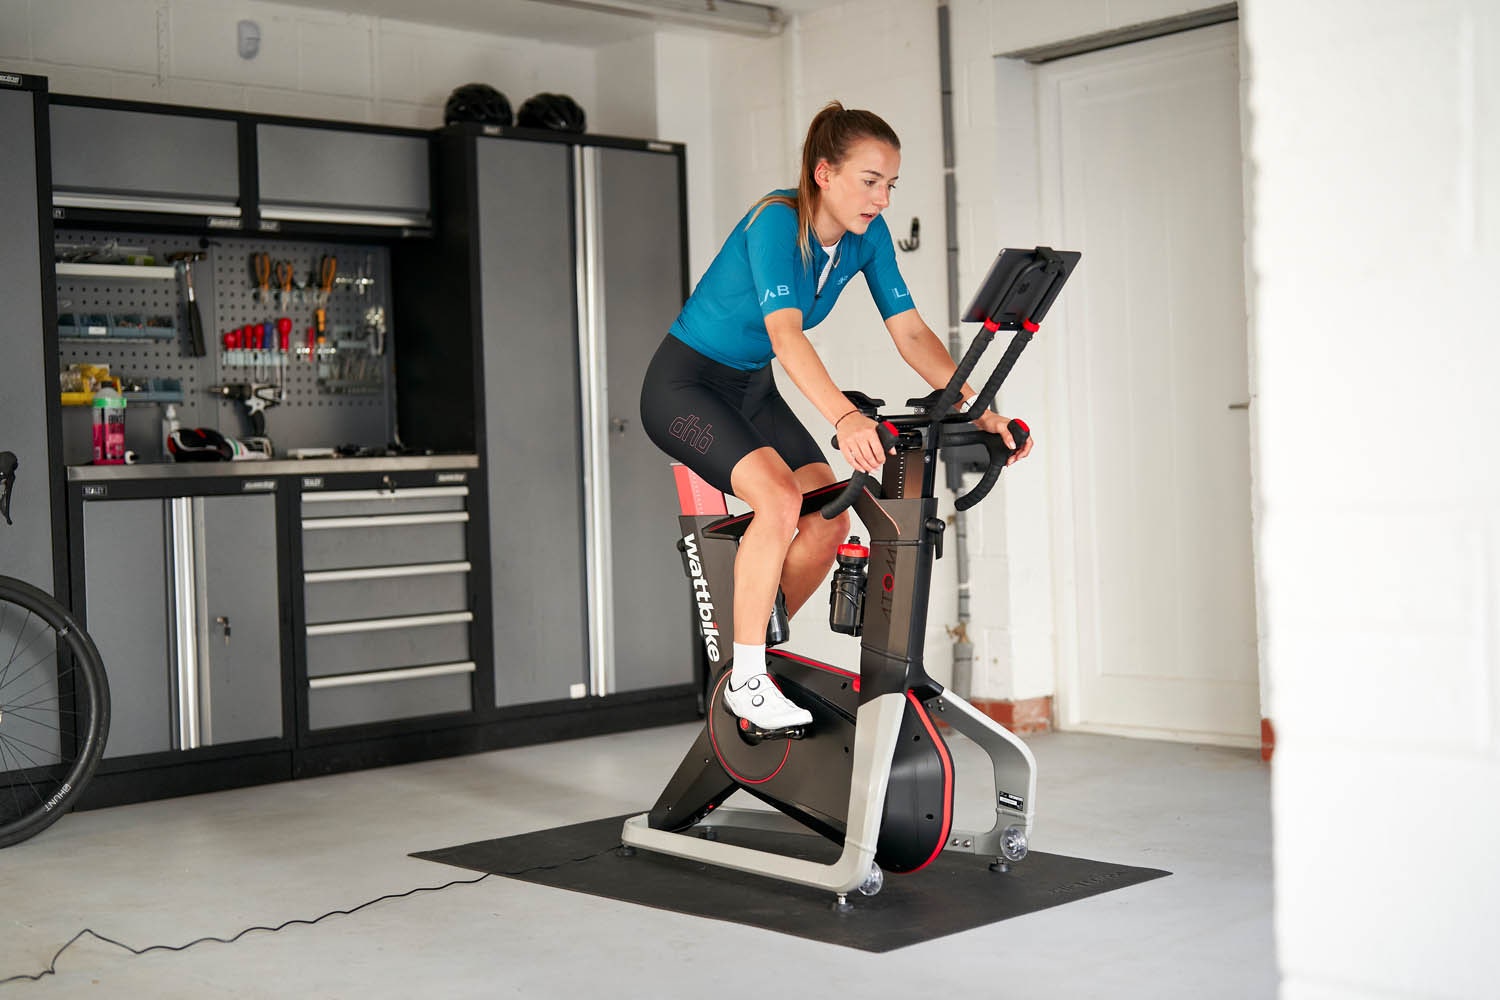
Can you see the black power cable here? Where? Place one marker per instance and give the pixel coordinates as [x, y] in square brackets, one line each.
[51, 969]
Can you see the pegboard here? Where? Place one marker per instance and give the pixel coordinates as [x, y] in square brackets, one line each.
[341, 394]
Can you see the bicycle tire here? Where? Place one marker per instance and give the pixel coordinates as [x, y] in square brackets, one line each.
[54, 710]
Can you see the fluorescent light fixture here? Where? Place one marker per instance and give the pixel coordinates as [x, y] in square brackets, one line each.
[723, 15]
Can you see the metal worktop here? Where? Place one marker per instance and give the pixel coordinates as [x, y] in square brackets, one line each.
[273, 467]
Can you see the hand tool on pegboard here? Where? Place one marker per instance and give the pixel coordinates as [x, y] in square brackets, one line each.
[184, 261]
[328, 271]
[261, 264]
[284, 282]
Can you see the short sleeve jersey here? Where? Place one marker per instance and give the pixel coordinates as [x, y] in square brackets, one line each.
[760, 269]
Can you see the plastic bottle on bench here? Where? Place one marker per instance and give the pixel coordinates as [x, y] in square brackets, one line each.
[109, 427]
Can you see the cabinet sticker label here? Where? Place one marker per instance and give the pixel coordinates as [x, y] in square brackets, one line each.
[258, 486]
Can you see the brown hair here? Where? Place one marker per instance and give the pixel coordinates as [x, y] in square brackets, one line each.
[833, 130]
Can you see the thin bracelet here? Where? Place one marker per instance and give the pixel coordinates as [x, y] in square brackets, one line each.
[843, 418]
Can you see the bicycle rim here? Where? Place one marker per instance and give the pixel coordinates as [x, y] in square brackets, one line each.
[54, 711]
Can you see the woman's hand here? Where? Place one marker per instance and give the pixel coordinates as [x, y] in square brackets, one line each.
[859, 442]
[993, 423]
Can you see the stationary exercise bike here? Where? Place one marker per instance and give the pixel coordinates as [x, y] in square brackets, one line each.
[872, 771]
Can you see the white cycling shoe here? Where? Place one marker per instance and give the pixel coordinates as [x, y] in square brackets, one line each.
[760, 702]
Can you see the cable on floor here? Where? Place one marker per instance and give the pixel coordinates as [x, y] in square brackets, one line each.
[51, 969]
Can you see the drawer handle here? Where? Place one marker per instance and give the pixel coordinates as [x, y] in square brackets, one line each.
[346, 216]
[384, 572]
[383, 624]
[413, 493]
[383, 520]
[127, 203]
[385, 676]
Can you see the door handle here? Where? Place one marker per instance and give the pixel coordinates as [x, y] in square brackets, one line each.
[618, 424]
[1240, 406]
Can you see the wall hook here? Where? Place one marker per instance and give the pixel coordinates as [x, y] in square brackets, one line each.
[916, 237]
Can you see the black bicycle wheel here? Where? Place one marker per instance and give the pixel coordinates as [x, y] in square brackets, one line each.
[54, 710]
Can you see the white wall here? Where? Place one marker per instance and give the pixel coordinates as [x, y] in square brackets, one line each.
[312, 63]
[874, 54]
[1376, 139]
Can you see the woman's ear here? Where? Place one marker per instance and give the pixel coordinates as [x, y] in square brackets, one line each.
[822, 173]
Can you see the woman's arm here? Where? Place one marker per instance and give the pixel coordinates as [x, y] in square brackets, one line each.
[925, 353]
[858, 440]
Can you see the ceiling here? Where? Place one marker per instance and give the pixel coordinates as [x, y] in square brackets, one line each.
[537, 19]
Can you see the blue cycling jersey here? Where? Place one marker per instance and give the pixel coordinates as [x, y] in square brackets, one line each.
[760, 269]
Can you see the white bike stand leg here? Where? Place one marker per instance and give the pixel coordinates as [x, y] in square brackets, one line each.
[877, 725]
[1015, 782]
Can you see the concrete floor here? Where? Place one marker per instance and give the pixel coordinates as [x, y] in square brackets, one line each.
[176, 870]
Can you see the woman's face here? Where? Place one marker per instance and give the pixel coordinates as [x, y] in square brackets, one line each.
[857, 190]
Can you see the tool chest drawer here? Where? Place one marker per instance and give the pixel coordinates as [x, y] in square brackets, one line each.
[386, 540]
[386, 604]
[384, 591]
[388, 695]
[412, 641]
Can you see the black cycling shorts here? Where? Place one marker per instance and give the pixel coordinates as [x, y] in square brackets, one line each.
[708, 415]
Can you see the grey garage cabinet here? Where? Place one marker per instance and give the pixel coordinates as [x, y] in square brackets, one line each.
[180, 593]
[559, 266]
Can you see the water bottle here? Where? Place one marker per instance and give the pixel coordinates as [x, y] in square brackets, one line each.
[109, 427]
[846, 595]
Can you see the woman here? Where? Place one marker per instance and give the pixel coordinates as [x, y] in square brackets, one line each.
[769, 283]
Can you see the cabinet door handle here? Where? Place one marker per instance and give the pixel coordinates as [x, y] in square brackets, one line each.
[223, 620]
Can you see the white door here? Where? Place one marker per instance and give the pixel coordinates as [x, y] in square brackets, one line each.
[1141, 171]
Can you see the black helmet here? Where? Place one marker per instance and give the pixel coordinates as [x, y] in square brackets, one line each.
[557, 112]
[477, 102]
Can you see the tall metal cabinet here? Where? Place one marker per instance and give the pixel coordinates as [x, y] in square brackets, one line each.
[29, 421]
[560, 264]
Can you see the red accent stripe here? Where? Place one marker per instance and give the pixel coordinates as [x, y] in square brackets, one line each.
[942, 748]
[1023, 426]
[854, 550]
[1029, 326]
[812, 663]
[991, 325]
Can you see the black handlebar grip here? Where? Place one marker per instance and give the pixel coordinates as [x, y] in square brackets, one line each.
[999, 453]
[860, 480]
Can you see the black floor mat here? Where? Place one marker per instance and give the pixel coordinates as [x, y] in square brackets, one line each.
[957, 892]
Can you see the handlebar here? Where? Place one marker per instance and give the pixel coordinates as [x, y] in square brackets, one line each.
[955, 435]
[860, 480]
[8, 464]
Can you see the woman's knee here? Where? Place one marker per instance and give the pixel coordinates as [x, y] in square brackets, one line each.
[763, 481]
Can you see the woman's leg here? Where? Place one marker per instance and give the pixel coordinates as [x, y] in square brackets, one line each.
[763, 481]
[811, 554]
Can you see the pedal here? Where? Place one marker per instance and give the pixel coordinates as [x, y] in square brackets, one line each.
[755, 734]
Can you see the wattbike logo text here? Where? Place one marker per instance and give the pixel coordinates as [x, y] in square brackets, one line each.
[706, 624]
[693, 434]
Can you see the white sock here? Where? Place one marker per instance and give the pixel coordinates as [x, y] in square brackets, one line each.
[749, 661]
